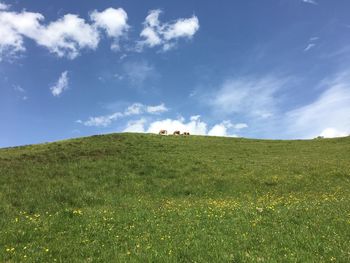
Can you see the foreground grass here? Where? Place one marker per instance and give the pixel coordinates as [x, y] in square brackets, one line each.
[147, 198]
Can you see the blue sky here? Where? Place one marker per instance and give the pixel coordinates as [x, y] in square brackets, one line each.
[275, 69]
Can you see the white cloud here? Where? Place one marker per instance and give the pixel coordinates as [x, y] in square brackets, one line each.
[12, 27]
[150, 33]
[332, 133]
[151, 37]
[309, 46]
[221, 129]
[182, 28]
[259, 101]
[132, 110]
[157, 109]
[70, 34]
[113, 21]
[218, 130]
[156, 33]
[61, 85]
[313, 2]
[65, 37]
[19, 89]
[240, 126]
[135, 126]
[311, 43]
[194, 126]
[101, 121]
[327, 116]
[4, 6]
[254, 97]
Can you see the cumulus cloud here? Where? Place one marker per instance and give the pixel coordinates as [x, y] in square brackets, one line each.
[65, 37]
[70, 34]
[61, 85]
[222, 128]
[218, 130]
[132, 110]
[136, 126]
[194, 126]
[328, 115]
[113, 21]
[12, 27]
[4, 6]
[182, 28]
[332, 133]
[156, 33]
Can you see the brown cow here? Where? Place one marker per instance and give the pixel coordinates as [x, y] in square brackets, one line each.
[186, 134]
[163, 132]
[176, 133]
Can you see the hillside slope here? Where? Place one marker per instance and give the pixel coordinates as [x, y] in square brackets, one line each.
[149, 198]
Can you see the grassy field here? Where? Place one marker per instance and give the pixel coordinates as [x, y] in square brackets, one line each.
[149, 198]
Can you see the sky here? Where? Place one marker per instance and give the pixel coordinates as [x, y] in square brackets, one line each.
[274, 69]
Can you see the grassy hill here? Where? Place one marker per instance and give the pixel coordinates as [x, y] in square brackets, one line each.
[149, 198]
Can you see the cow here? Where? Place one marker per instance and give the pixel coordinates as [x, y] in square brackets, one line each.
[163, 132]
[176, 133]
[186, 134]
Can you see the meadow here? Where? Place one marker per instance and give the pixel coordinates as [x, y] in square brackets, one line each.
[150, 198]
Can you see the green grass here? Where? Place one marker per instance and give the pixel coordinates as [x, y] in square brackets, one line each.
[149, 198]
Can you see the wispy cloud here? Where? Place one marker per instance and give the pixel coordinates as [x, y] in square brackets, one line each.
[248, 96]
[311, 44]
[261, 103]
[157, 109]
[21, 91]
[132, 110]
[61, 85]
[328, 115]
[18, 89]
[313, 2]
[156, 33]
[137, 72]
[101, 121]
